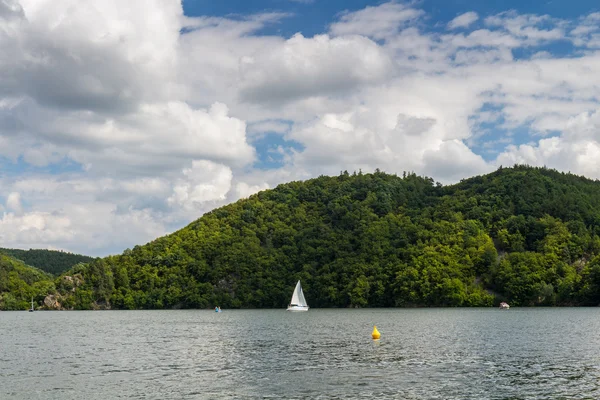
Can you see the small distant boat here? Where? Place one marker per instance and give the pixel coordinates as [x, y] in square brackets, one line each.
[217, 309]
[298, 302]
[504, 306]
[32, 309]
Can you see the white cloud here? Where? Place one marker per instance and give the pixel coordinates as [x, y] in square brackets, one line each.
[587, 32]
[463, 20]
[377, 22]
[35, 228]
[455, 159]
[483, 38]
[156, 137]
[315, 66]
[529, 27]
[96, 56]
[204, 182]
[244, 190]
[86, 216]
[260, 127]
[80, 228]
[577, 149]
[472, 57]
[13, 202]
[397, 142]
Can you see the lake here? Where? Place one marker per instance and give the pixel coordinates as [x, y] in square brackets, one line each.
[484, 353]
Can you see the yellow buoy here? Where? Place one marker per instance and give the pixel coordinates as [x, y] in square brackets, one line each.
[375, 335]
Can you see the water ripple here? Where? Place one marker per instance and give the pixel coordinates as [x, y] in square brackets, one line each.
[323, 354]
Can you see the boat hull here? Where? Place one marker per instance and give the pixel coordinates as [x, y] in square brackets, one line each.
[297, 308]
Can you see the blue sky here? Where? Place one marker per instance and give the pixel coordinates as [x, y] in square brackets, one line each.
[313, 17]
[121, 122]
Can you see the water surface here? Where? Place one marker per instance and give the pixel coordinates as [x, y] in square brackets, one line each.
[542, 353]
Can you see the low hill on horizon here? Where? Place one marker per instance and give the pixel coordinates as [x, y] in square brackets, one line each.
[54, 262]
[529, 236]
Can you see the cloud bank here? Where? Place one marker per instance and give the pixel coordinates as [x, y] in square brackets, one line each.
[123, 121]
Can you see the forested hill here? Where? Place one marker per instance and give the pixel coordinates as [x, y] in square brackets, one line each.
[20, 282]
[52, 261]
[525, 235]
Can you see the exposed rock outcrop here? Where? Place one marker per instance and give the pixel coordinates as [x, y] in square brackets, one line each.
[71, 282]
[52, 302]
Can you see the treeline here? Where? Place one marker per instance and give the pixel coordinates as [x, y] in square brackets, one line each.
[52, 261]
[529, 236]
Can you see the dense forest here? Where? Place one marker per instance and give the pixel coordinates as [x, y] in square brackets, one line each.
[19, 283]
[52, 261]
[529, 236]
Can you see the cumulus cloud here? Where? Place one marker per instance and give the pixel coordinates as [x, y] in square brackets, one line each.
[81, 229]
[13, 202]
[315, 66]
[244, 190]
[204, 182]
[586, 32]
[529, 27]
[400, 142]
[577, 149]
[94, 56]
[377, 22]
[455, 159]
[157, 137]
[38, 229]
[463, 20]
[76, 214]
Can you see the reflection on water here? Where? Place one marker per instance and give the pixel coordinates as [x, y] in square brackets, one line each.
[422, 354]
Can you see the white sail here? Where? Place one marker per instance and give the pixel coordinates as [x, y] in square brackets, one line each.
[298, 296]
[298, 302]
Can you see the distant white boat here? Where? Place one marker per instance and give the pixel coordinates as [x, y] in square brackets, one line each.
[504, 306]
[298, 302]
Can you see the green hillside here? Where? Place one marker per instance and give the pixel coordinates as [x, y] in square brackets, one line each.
[20, 282]
[529, 236]
[51, 261]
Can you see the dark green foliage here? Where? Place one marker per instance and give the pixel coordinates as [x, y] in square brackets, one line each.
[19, 283]
[525, 235]
[51, 261]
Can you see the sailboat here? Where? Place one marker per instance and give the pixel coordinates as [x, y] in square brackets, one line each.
[32, 309]
[298, 302]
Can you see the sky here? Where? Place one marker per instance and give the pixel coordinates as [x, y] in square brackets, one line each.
[122, 121]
